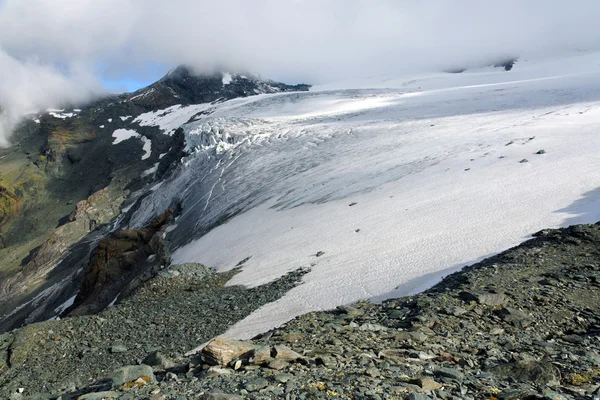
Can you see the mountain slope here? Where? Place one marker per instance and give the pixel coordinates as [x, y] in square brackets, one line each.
[69, 171]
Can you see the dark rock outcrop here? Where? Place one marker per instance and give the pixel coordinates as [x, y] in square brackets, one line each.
[118, 260]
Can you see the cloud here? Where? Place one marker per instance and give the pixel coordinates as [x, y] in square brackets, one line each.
[65, 46]
[29, 86]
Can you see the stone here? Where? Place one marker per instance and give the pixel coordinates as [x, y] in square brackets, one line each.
[457, 311]
[256, 385]
[281, 352]
[487, 299]
[278, 364]
[451, 373]
[131, 373]
[574, 339]
[222, 351]
[541, 151]
[418, 396]
[292, 337]
[119, 348]
[218, 371]
[427, 384]
[514, 317]
[262, 355]
[220, 396]
[550, 395]
[536, 372]
[283, 378]
[351, 311]
[416, 336]
[497, 331]
[100, 395]
[326, 361]
[372, 327]
[157, 359]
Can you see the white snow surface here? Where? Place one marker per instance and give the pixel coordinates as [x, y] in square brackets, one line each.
[227, 78]
[125, 118]
[432, 163]
[169, 119]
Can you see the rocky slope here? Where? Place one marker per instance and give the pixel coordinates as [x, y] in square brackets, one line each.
[64, 182]
[524, 324]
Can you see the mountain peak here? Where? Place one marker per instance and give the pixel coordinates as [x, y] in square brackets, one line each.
[183, 85]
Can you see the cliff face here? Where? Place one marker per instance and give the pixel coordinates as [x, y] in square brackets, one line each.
[120, 262]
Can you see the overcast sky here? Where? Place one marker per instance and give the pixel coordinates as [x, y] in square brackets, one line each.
[53, 51]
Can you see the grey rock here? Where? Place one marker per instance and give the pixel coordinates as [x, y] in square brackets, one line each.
[487, 299]
[351, 311]
[284, 353]
[575, 339]
[220, 396]
[256, 385]
[157, 359]
[449, 373]
[515, 317]
[283, 378]
[418, 396]
[538, 372]
[130, 373]
[116, 349]
[100, 395]
[550, 395]
[372, 327]
[416, 336]
[278, 364]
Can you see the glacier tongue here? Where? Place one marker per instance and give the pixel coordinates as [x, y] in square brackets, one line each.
[437, 178]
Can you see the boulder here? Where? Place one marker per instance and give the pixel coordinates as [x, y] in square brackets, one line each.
[222, 351]
[284, 353]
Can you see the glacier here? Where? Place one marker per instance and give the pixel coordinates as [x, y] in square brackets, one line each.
[397, 181]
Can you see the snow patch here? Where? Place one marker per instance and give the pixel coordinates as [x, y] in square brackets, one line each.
[169, 119]
[227, 78]
[125, 118]
[125, 134]
[62, 115]
[150, 171]
[60, 309]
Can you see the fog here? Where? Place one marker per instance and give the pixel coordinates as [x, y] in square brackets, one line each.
[57, 51]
